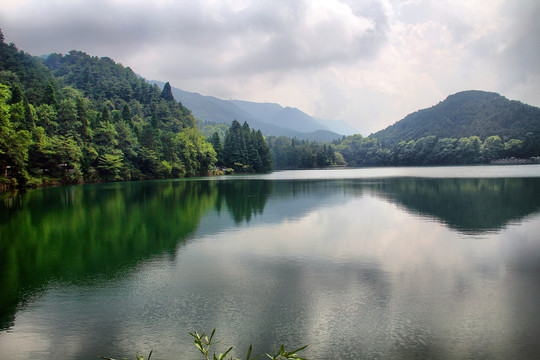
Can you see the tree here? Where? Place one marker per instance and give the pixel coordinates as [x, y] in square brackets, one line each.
[154, 123]
[167, 94]
[110, 166]
[215, 140]
[513, 148]
[443, 152]
[492, 148]
[105, 114]
[49, 96]
[17, 94]
[234, 147]
[264, 152]
[82, 116]
[47, 118]
[105, 137]
[14, 145]
[67, 117]
[126, 115]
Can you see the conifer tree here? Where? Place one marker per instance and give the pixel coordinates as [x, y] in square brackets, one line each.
[218, 147]
[126, 115]
[29, 116]
[17, 94]
[167, 94]
[49, 96]
[82, 117]
[155, 121]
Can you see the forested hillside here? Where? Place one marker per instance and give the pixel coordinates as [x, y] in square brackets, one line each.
[270, 118]
[465, 114]
[73, 118]
[469, 127]
[77, 118]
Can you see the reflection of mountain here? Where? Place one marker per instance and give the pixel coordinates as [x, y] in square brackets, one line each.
[74, 233]
[77, 233]
[80, 233]
[466, 205]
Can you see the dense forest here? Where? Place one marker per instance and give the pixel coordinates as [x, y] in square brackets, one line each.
[303, 154]
[242, 150]
[430, 150]
[76, 118]
[470, 127]
[465, 114]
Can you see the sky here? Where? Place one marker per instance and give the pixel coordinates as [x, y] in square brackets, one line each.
[368, 62]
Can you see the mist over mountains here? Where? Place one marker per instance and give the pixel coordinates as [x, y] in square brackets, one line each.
[270, 118]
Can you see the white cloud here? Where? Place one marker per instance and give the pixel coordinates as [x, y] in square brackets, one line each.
[369, 62]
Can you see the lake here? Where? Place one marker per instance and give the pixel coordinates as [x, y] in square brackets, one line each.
[382, 263]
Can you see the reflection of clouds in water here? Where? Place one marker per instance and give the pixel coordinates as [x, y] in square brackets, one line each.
[337, 271]
[428, 284]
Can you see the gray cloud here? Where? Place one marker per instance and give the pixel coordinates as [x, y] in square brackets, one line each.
[521, 55]
[264, 36]
[370, 62]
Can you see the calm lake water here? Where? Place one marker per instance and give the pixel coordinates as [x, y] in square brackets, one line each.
[393, 263]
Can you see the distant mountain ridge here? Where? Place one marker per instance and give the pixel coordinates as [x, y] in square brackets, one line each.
[270, 118]
[465, 114]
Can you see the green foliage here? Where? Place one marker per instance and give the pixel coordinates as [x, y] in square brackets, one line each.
[167, 94]
[245, 150]
[205, 344]
[302, 154]
[17, 68]
[49, 96]
[466, 114]
[79, 118]
[215, 140]
[429, 150]
[110, 166]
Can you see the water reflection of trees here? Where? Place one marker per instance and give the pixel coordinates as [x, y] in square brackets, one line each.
[243, 198]
[466, 205]
[76, 233]
[79, 233]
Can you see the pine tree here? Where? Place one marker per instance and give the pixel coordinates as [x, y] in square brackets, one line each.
[155, 121]
[17, 94]
[105, 115]
[49, 96]
[29, 116]
[126, 115]
[167, 94]
[218, 147]
[82, 117]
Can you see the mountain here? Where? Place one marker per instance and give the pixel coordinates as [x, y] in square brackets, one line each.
[270, 118]
[74, 118]
[284, 117]
[465, 114]
[262, 111]
[339, 126]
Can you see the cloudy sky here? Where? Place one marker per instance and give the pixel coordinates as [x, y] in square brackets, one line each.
[369, 62]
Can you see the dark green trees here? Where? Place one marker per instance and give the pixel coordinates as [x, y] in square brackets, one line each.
[167, 94]
[302, 154]
[215, 140]
[430, 150]
[49, 97]
[245, 150]
[90, 119]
